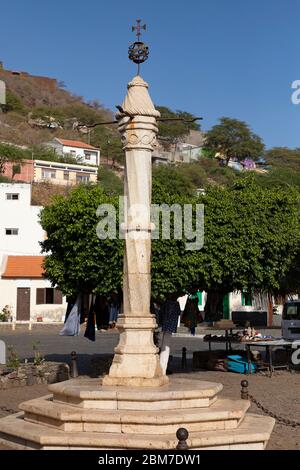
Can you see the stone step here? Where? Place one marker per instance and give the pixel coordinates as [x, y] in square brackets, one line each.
[223, 414]
[178, 394]
[252, 434]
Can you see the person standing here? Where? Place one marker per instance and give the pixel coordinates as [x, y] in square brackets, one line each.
[169, 313]
[191, 315]
[102, 313]
[114, 308]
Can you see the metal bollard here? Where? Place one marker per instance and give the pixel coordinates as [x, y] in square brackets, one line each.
[74, 369]
[244, 390]
[183, 359]
[182, 436]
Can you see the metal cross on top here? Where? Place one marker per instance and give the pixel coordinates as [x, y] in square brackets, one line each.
[138, 28]
[138, 51]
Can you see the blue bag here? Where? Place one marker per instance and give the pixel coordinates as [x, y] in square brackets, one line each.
[240, 365]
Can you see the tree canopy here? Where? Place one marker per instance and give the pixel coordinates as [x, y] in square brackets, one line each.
[110, 182]
[78, 260]
[174, 131]
[283, 157]
[251, 241]
[10, 153]
[232, 138]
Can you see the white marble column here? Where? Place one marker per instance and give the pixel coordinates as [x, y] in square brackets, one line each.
[136, 360]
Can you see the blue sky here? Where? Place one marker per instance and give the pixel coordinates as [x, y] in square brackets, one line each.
[212, 58]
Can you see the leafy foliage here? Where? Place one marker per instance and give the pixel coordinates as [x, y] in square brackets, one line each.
[14, 103]
[173, 180]
[251, 236]
[13, 360]
[251, 240]
[38, 356]
[110, 182]
[234, 139]
[174, 131]
[10, 153]
[79, 261]
[283, 157]
[42, 152]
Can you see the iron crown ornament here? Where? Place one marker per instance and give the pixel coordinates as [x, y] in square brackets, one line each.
[138, 51]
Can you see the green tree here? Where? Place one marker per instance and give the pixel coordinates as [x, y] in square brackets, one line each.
[14, 103]
[42, 152]
[251, 241]
[109, 181]
[173, 180]
[283, 157]
[10, 153]
[78, 260]
[174, 131]
[251, 238]
[234, 139]
[114, 150]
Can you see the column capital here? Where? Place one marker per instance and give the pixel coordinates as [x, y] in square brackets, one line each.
[137, 117]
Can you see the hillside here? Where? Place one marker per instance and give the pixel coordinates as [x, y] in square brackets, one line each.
[39, 108]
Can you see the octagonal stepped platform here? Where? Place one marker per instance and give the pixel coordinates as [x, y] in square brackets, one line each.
[83, 415]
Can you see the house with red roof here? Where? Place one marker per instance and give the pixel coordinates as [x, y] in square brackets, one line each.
[24, 290]
[83, 152]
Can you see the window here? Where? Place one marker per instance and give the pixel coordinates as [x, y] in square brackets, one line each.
[12, 196]
[87, 155]
[48, 174]
[291, 312]
[82, 178]
[48, 295]
[66, 175]
[11, 231]
[247, 299]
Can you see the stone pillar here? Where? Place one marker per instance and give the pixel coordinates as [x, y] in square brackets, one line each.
[136, 360]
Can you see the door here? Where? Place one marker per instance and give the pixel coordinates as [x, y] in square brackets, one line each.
[23, 304]
[226, 307]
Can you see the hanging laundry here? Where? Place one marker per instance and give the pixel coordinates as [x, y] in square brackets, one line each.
[90, 325]
[72, 324]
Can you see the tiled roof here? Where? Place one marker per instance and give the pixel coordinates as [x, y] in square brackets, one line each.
[76, 143]
[24, 267]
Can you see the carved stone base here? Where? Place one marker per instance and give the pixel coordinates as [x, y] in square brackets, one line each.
[135, 381]
[81, 415]
[136, 360]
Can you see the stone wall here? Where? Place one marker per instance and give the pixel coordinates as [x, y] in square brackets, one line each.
[30, 374]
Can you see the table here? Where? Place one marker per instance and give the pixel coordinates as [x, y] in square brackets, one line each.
[269, 346]
[227, 338]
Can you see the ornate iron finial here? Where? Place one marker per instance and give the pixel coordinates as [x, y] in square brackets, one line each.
[138, 28]
[138, 51]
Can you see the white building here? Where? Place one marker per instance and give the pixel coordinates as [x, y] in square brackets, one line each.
[240, 307]
[20, 230]
[84, 153]
[65, 174]
[23, 287]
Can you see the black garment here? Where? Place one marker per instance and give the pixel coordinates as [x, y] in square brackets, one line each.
[71, 301]
[90, 326]
[102, 313]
